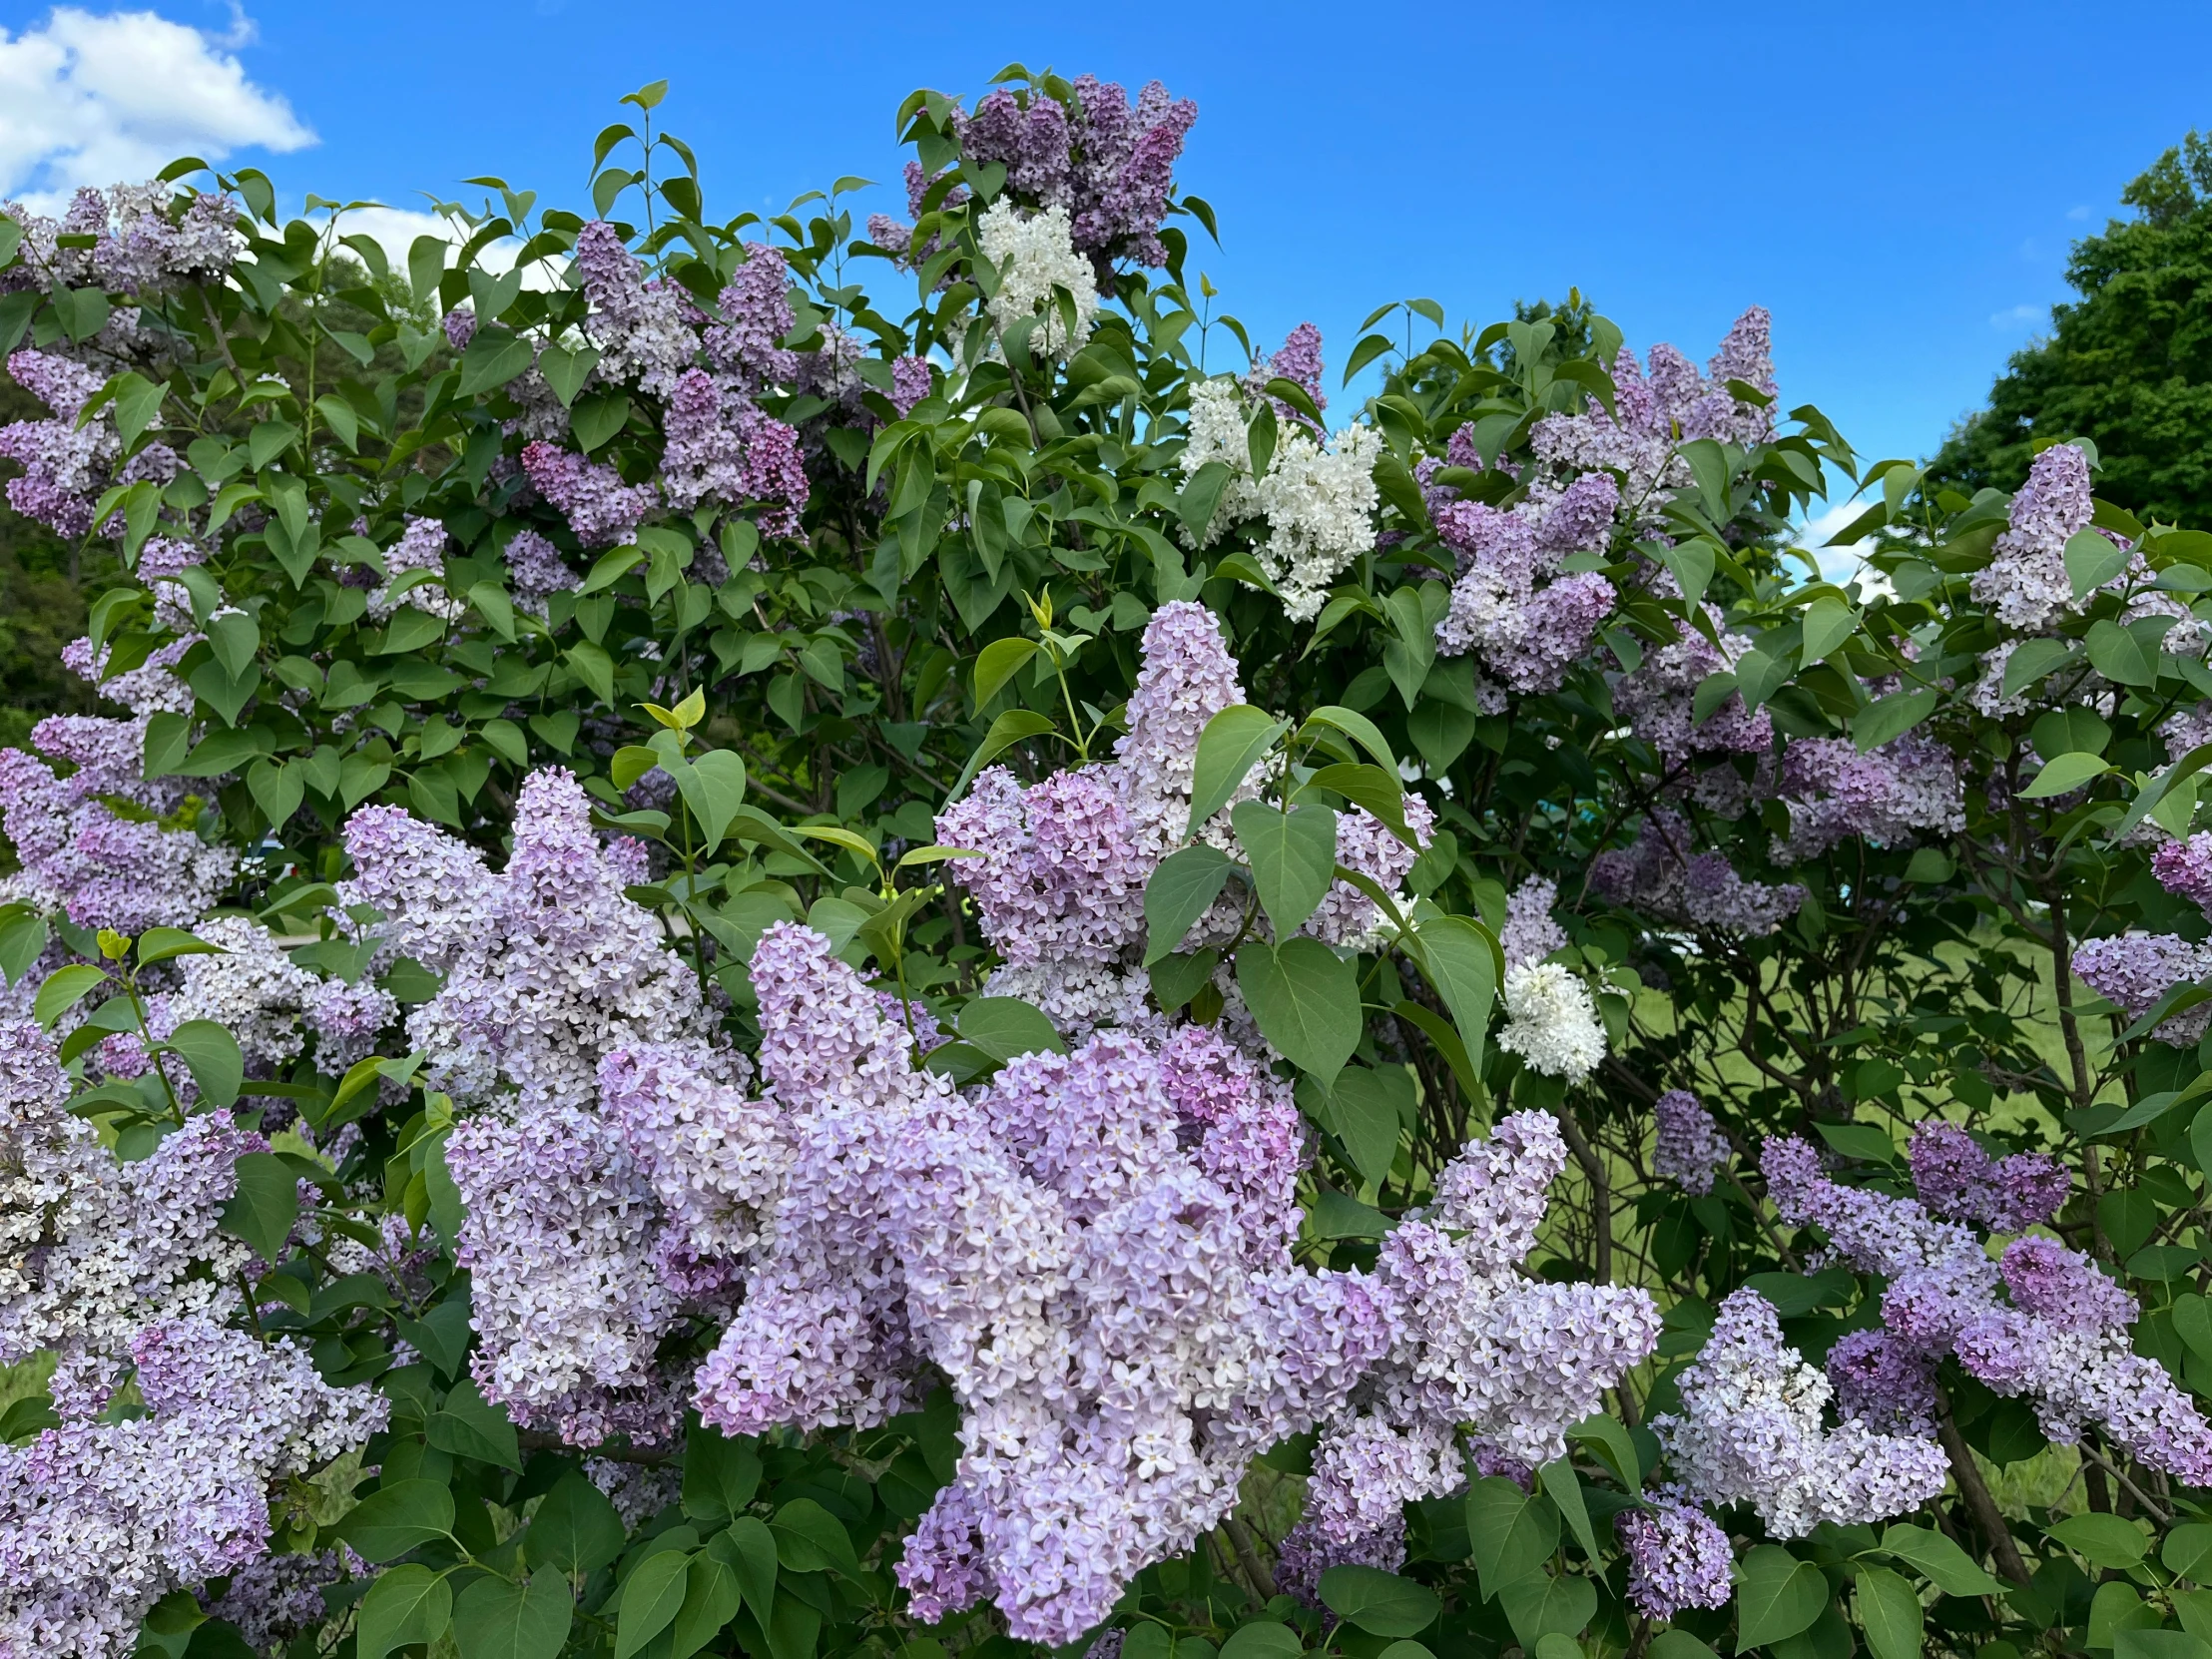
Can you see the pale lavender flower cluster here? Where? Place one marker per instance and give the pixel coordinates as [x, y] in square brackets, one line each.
[2025, 584]
[92, 1248]
[1834, 792]
[1653, 413]
[1659, 699]
[2063, 1341]
[1297, 359]
[722, 447]
[910, 383]
[1659, 875]
[536, 570]
[1957, 1179]
[1477, 1346]
[1306, 1554]
[2133, 970]
[1677, 1556]
[1526, 634]
[100, 1520]
[274, 1598]
[1094, 1250]
[1530, 935]
[1885, 1383]
[600, 508]
[78, 855]
[2184, 868]
[420, 547]
[139, 243]
[756, 306]
[1689, 1149]
[65, 465]
[1749, 1432]
[646, 329]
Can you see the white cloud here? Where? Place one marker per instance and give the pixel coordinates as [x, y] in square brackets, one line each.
[105, 97]
[1841, 565]
[2019, 317]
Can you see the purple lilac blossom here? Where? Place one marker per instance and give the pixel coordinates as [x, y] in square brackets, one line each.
[1957, 1179]
[1297, 359]
[720, 448]
[1749, 1432]
[1658, 876]
[537, 570]
[756, 306]
[600, 508]
[99, 1519]
[1689, 1149]
[65, 466]
[2133, 970]
[1834, 792]
[1677, 1557]
[461, 328]
[1304, 1554]
[1658, 698]
[2184, 868]
[139, 243]
[1529, 635]
[1475, 1345]
[1530, 935]
[646, 329]
[909, 384]
[1886, 1384]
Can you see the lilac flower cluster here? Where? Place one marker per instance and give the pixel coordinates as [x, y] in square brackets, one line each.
[1659, 875]
[536, 571]
[1526, 634]
[1689, 1149]
[1297, 359]
[65, 465]
[2133, 970]
[1654, 413]
[1477, 1347]
[420, 547]
[2184, 868]
[722, 447]
[142, 242]
[1658, 699]
[1060, 885]
[1749, 1432]
[1677, 1556]
[2025, 583]
[1833, 792]
[79, 855]
[600, 508]
[92, 1248]
[2064, 1340]
[1957, 1179]
[99, 1519]
[1306, 1554]
[1531, 934]
[1108, 165]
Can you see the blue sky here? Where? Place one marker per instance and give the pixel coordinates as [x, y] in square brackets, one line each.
[1898, 183]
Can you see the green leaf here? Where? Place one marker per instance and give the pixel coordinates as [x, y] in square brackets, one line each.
[712, 1594]
[1564, 1487]
[1778, 1596]
[1201, 495]
[1381, 1603]
[469, 1426]
[1890, 1613]
[1860, 1140]
[2187, 1551]
[1512, 1532]
[575, 1528]
[265, 1205]
[493, 358]
[1368, 1109]
[64, 988]
[2070, 731]
[213, 1054]
[1679, 1644]
[1227, 749]
[810, 1539]
[2139, 1642]
[1263, 1639]
[1306, 999]
[2064, 775]
[1000, 661]
[1336, 1215]
[496, 1619]
[599, 417]
[1293, 858]
[1828, 623]
[2119, 654]
[1461, 963]
[1890, 717]
[22, 942]
[712, 786]
[2093, 560]
[1378, 790]
[397, 1517]
[1007, 729]
[721, 1474]
[276, 789]
[1613, 1446]
[1183, 887]
[1410, 650]
[750, 1549]
[1546, 1606]
[651, 1595]
[1004, 1027]
[1360, 730]
[158, 944]
[565, 369]
[1941, 1561]
[2104, 1540]
[404, 1605]
[2030, 660]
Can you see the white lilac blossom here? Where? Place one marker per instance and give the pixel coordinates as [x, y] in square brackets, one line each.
[1690, 1148]
[1038, 265]
[1318, 502]
[1834, 792]
[1530, 935]
[1659, 875]
[2133, 970]
[1677, 1556]
[1551, 1021]
[1094, 1251]
[2063, 1341]
[249, 987]
[1749, 1432]
[92, 1248]
[1477, 1347]
[100, 1520]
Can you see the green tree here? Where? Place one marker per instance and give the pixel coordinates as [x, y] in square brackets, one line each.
[2128, 366]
